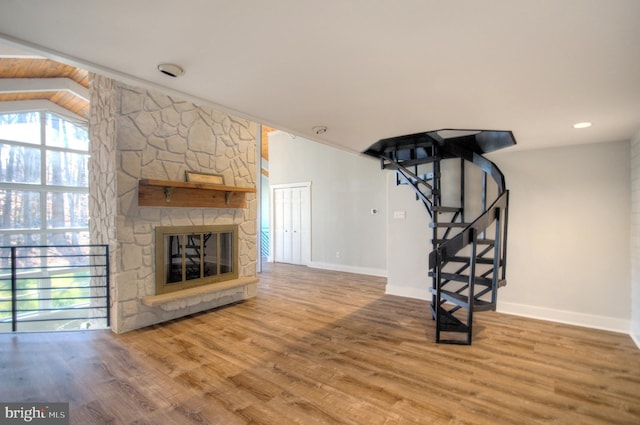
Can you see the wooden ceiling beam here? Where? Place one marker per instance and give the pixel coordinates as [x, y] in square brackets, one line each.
[29, 85]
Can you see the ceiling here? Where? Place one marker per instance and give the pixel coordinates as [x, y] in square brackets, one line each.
[365, 69]
[24, 80]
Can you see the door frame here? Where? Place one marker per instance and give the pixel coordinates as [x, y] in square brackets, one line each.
[305, 219]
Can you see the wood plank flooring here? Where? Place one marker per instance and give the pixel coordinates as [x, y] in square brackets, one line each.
[321, 347]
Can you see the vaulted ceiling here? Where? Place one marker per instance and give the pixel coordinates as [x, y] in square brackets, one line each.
[27, 81]
[365, 69]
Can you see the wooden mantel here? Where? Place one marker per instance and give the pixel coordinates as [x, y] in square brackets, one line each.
[165, 193]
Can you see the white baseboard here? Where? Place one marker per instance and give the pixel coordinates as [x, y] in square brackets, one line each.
[409, 292]
[348, 269]
[568, 317]
[561, 316]
[542, 313]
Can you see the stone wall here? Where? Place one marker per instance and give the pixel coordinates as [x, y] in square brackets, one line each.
[137, 133]
[103, 209]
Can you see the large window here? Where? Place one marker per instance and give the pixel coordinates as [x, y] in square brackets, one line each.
[44, 194]
[43, 180]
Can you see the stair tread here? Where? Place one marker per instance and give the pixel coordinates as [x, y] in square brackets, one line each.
[447, 209]
[464, 278]
[448, 224]
[479, 260]
[480, 241]
[486, 241]
[463, 301]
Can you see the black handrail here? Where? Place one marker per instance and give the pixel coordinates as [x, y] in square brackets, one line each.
[448, 249]
[479, 161]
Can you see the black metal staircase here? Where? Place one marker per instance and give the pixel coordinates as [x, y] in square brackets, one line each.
[468, 260]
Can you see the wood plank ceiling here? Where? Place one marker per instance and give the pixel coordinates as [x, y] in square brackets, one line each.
[35, 68]
[31, 68]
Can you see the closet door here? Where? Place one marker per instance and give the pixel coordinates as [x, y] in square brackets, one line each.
[296, 225]
[291, 224]
[279, 224]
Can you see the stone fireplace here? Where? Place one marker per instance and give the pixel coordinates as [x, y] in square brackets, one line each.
[139, 134]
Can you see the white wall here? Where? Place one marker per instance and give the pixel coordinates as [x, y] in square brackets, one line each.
[568, 252]
[344, 188]
[409, 243]
[569, 235]
[635, 239]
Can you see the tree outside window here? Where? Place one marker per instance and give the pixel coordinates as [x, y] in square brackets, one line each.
[43, 180]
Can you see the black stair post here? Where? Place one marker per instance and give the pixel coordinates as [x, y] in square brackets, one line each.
[435, 201]
[472, 280]
[497, 256]
[435, 303]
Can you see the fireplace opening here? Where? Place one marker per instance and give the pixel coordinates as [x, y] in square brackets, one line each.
[190, 256]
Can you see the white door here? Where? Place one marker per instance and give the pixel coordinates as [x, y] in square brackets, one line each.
[291, 220]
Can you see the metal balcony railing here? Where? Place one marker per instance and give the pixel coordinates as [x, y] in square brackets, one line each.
[57, 287]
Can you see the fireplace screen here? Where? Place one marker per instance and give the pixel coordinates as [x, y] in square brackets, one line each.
[195, 255]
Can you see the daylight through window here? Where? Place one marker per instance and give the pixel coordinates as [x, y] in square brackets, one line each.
[43, 180]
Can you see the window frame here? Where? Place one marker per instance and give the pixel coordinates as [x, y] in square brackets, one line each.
[43, 188]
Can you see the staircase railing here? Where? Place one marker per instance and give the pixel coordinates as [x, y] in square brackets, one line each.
[447, 252]
[416, 181]
[469, 296]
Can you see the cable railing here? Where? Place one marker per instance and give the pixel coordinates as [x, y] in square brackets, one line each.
[53, 288]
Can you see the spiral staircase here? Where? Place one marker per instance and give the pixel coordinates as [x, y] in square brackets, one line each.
[466, 198]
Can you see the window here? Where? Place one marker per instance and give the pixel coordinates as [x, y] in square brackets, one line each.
[43, 180]
[44, 200]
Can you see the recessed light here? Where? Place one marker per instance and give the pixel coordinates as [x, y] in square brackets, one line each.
[584, 124]
[170, 69]
[320, 129]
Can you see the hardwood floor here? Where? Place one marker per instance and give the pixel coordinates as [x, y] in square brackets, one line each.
[321, 347]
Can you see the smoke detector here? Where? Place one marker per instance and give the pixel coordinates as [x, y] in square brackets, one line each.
[170, 69]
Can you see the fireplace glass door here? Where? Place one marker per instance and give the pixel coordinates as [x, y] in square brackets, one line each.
[195, 255]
